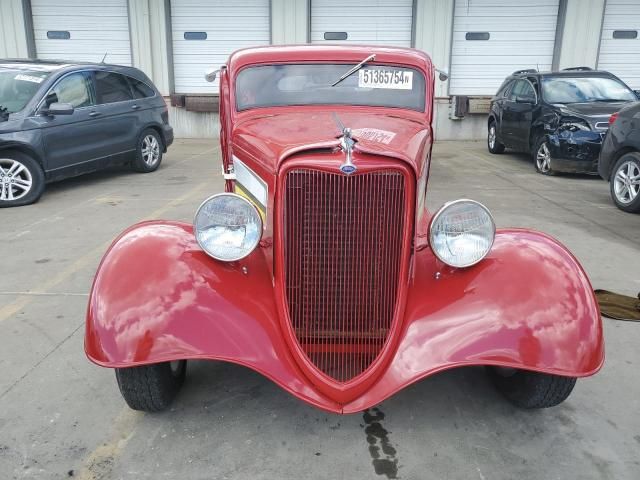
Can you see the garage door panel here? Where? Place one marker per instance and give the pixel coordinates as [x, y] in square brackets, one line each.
[95, 27]
[621, 56]
[381, 22]
[229, 26]
[521, 35]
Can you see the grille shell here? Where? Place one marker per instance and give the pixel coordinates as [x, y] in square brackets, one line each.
[343, 244]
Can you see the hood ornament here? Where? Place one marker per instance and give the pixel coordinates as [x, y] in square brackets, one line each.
[346, 144]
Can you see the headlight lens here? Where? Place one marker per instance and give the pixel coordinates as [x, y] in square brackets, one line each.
[462, 233]
[228, 227]
[574, 124]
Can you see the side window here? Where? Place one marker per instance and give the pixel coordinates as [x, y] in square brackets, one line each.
[523, 89]
[141, 89]
[527, 91]
[505, 90]
[517, 88]
[112, 87]
[73, 89]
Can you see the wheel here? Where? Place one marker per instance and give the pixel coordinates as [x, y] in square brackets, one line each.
[492, 139]
[625, 183]
[527, 389]
[151, 388]
[542, 157]
[21, 179]
[149, 152]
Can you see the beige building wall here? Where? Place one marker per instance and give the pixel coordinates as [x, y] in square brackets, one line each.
[580, 37]
[149, 42]
[13, 38]
[289, 21]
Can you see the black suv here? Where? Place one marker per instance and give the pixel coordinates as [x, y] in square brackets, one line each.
[60, 119]
[559, 117]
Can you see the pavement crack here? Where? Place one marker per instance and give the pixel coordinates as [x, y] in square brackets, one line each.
[41, 361]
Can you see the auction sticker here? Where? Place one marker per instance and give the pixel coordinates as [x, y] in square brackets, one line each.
[373, 135]
[391, 78]
[28, 78]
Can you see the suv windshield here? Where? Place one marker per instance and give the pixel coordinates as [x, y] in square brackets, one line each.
[311, 84]
[18, 86]
[585, 89]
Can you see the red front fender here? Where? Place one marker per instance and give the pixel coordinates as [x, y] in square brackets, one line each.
[157, 297]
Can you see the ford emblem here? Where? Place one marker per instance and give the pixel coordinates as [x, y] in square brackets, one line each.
[348, 168]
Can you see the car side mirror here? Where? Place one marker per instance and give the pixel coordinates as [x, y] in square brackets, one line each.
[58, 109]
[522, 99]
[637, 92]
[211, 74]
[442, 75]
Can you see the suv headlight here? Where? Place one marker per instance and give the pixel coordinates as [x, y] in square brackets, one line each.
[227, 227]
[574, 124]
[461, 233]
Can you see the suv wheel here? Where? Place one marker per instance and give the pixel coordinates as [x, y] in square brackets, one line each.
[542, 157]
[149, 152]
[21, 179]
[625, 183]
[526, 389]
[493, 144]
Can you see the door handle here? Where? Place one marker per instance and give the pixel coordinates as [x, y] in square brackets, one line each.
[94, 114]
[135, 107]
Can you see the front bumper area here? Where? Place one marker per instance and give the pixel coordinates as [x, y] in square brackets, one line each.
[575, 152]
[482, 315]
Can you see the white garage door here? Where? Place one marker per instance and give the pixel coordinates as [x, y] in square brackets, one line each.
[493, 38]
[620, 41]
[376, 22]
[82, 30]
[205, 32]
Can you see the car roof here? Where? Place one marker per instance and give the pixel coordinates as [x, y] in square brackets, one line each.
[51, 65]
[328, 53]
[21, 64]
[577, 72]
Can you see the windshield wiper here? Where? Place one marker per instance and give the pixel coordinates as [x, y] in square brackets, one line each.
[354, 69]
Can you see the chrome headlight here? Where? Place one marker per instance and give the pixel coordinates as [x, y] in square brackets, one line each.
[227, 226]
[462, 233]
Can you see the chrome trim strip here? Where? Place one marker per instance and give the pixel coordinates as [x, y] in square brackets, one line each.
[251, 181]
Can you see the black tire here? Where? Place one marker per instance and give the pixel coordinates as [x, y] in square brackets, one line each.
[624, 200]
[494, 146]
[531, 390]
[145, 161]
[537, 148]
[28, 170]
[151, 388]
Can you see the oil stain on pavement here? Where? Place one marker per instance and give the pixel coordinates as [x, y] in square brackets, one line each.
[383, 454]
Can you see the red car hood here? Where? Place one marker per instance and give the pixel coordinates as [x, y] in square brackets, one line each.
[274, 137]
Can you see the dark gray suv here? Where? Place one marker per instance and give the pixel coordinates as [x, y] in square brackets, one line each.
[59, 120]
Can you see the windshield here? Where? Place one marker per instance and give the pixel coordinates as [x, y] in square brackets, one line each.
[18, 86]
[585, 89]
[311, 84]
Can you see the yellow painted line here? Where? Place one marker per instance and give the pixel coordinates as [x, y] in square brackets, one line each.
[88, 258]
[98, 463]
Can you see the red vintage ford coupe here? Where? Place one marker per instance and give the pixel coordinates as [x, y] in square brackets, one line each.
[321, 267]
